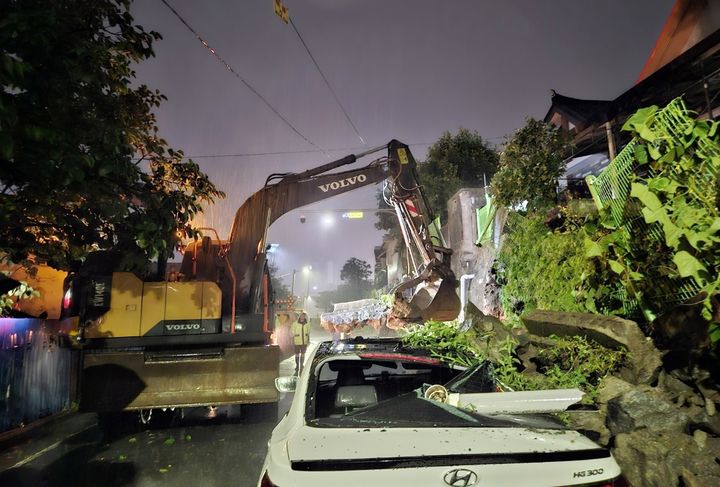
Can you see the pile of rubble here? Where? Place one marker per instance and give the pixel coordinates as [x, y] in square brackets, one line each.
[658, 416]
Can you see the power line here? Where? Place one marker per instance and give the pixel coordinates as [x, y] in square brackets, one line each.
[327, 83]
[277, 153]
[247, 84]
[306, 151]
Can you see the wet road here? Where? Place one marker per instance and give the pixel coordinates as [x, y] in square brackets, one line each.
[201, 449]
[193, 451]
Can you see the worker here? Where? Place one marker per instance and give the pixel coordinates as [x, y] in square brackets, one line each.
[301, 335]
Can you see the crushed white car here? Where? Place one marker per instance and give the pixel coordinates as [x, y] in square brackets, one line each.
[370, 412]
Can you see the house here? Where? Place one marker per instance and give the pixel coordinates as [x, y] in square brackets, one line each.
[684, 62]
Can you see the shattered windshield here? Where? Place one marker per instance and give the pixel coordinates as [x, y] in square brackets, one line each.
[390, 393]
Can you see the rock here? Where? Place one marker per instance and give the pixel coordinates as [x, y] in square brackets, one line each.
[491, 331]
[709, 395]
[641, 458]
[710, 408]
[527, 354]
[700, 438]
[611, 387]
[644, 407]
[592, 425]
[610, 331]
[673, 385]
[699, 419]
[691, 480]
[658, 459]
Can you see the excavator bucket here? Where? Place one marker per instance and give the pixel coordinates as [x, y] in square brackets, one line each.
[436, 301]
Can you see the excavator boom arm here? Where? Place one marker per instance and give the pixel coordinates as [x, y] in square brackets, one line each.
[245, 250]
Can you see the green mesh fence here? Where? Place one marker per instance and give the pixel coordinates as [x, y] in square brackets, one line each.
[611, 192]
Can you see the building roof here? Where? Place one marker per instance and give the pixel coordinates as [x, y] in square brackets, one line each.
[689, 22]
[579, 112]
[683, 76]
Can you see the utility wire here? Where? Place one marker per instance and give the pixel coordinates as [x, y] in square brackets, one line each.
[307, 151]
[327, 83]
[276, 153]
[247, 84]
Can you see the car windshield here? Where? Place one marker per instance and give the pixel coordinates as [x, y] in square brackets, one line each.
[389, 392]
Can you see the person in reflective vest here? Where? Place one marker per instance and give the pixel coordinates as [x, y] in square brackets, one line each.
[301, 336]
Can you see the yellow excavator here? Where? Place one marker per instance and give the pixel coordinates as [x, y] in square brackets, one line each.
[203, 337]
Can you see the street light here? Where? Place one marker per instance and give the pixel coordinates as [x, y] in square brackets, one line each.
[306, 271]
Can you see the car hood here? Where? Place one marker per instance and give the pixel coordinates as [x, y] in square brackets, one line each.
[315, 444]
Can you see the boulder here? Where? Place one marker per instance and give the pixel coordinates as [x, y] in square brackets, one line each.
[610, 331]
[645, 407]
[660, 459]
[592, 425]
[611, 387]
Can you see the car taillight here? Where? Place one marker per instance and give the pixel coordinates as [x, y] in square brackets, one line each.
[400, 356]
[265, 482]
[67, 299]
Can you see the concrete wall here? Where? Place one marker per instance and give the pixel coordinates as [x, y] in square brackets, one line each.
[469, 258]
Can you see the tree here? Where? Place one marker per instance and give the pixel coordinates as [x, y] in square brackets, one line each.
[455, 161]
[82, 166]
[356, 274]
[355, 271]
[530, 163]
[276, 283]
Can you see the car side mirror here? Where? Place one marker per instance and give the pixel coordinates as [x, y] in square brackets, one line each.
[286, 384]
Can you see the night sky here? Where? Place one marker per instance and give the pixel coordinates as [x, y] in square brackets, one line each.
[404, 69]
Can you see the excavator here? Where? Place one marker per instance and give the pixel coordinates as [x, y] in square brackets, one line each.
[203, 337]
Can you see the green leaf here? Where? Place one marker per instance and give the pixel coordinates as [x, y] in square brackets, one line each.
[641, 154]
[647, 133]
[688, 266]
[636, 276]
[701, 129]
[697, 238]
[714, 332]
[641, 192]
[616, 266]
[593, 249]
[668, 157]
[715, 226]
[170, 441]
[713, 129]
[641, 118]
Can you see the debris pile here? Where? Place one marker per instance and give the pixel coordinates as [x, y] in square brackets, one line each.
[657, 415]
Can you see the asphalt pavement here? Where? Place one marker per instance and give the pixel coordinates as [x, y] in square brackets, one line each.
[203, 447]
